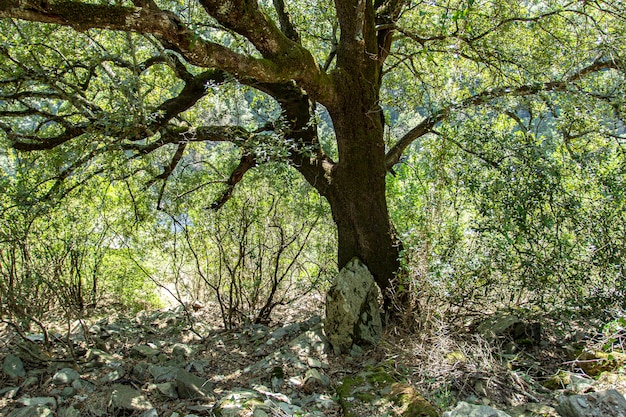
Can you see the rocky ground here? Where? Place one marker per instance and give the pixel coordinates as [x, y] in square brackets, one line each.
[180, 362]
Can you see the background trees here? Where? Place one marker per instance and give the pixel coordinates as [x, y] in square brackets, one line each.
[511, 117]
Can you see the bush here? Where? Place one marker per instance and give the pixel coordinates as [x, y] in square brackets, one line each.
[527, 218]
[268, 246]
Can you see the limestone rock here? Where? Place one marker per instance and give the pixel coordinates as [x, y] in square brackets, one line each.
[508, 327]
[150, 413]
[127, 398]
[65, 376]
[315, 363]
[284, 331]
[67, 392]
[13, 366]
[287, 409]
[112, 376]
[31, 411]
[144, 351]
[94, 329]
[182, 350]
[533, 410]
[191, 386]
[579, 384]
[311, 341]
[38, 401]
[163, 373]
[83, 386]
[597, 404]
[315, 379]
[168, 389]
[237, 401]
[464, 409]
[100, 357]
[9, 392]
[352, 308]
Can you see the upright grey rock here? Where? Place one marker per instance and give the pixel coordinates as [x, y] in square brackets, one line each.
[352, 308]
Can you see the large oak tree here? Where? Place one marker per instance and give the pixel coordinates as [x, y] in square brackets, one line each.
[97, 77]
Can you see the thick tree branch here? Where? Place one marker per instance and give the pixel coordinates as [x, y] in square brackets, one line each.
[165, 25]
[298, 111]
[246, 163]
[234, 134]
[172, 135]
[425, 126]
[34, 143]
[351, 15]
[247, 19]
[195, 88]
[291, 61]
[354, 40]
[387, 13]
[284, 19]
[178, 155]
[284, 59]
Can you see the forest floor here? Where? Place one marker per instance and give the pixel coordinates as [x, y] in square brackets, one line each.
[181, 362]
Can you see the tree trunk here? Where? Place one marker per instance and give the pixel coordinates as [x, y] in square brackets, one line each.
[355, 187]
[364, 228]
[357, 198]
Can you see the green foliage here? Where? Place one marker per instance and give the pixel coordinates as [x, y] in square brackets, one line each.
[269, 245]
[58, 258]
[614, 333]
[127, 282]
[511, 205]
[116, 195]
[516, 193]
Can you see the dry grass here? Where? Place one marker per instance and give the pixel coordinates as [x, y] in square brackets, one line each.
[448, 365]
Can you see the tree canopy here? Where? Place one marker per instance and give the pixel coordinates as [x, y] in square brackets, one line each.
[341, 91]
